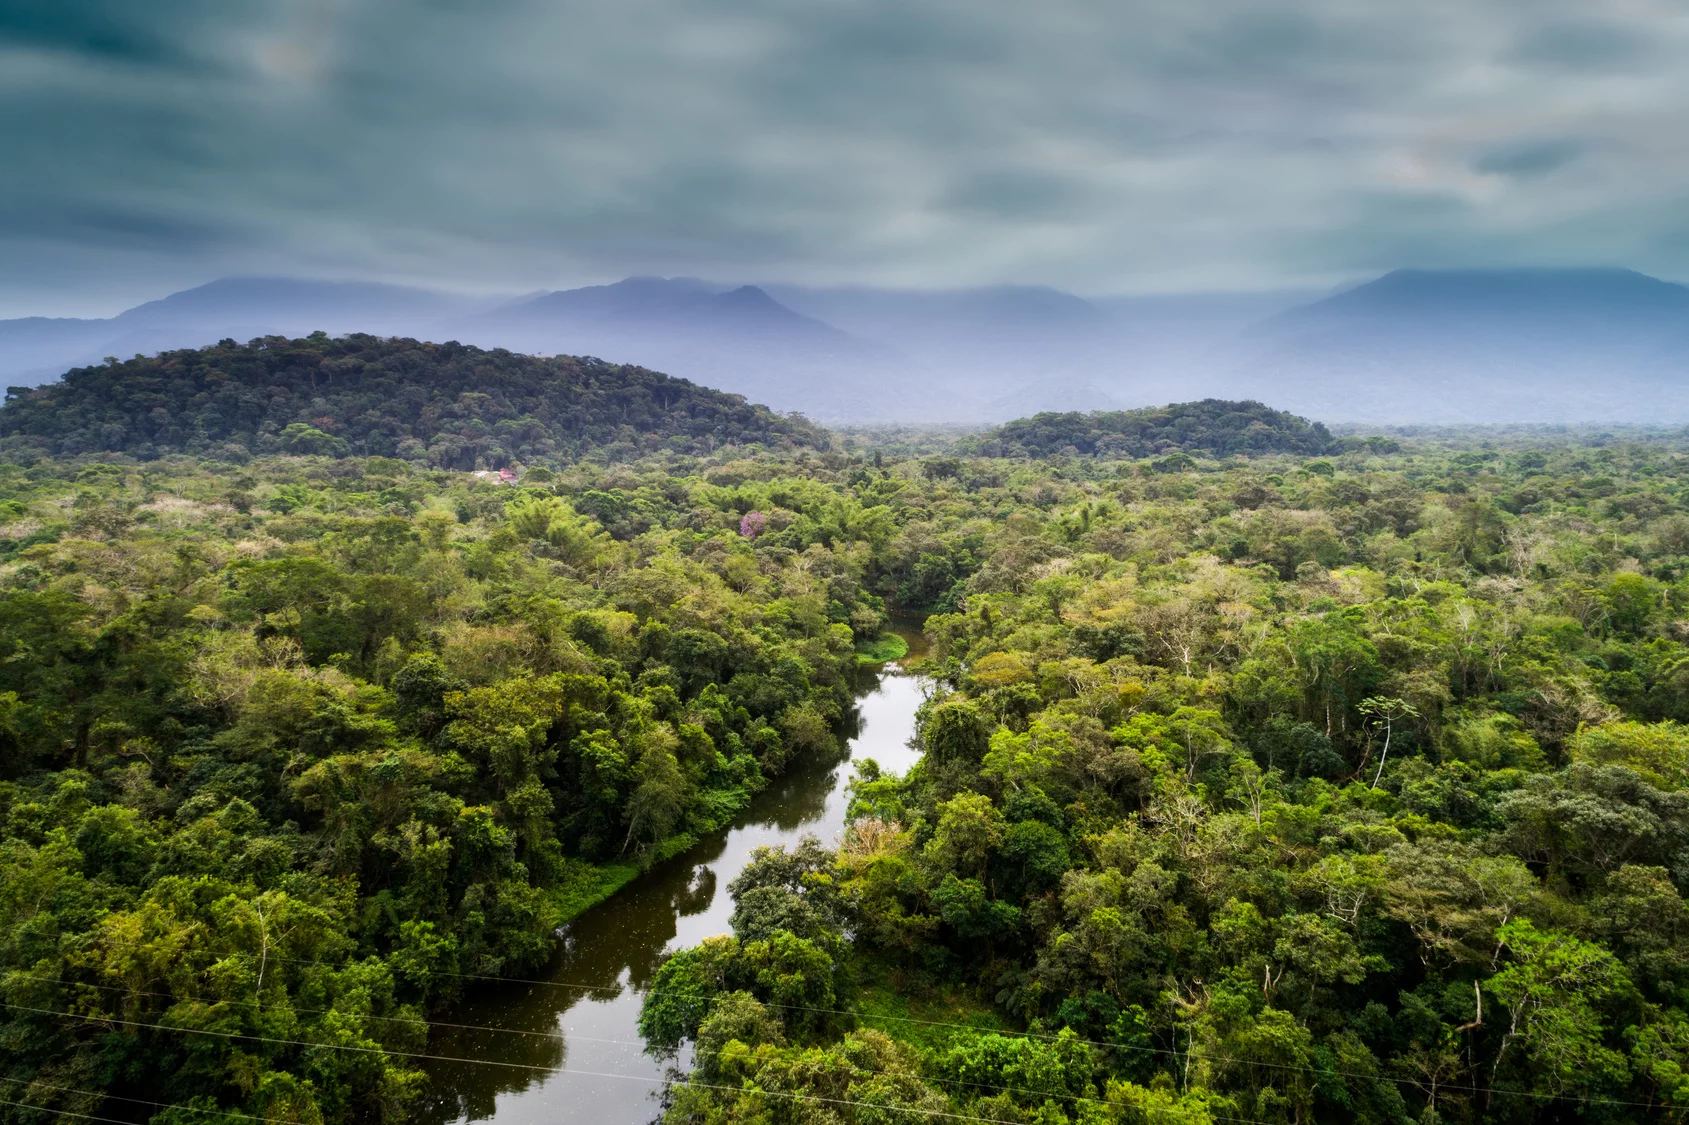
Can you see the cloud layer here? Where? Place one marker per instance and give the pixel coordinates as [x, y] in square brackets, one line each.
[1162, 145]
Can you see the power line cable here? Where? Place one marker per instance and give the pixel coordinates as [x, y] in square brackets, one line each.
[483, 1062]
[558, 1034]
[412, 1021]
[858, 1071]
[861, 1070]
[30, 1086]
[83, 1116]
[1046, 1036]
[941, 1023]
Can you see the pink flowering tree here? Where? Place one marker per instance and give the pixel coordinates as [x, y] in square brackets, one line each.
[751, 525]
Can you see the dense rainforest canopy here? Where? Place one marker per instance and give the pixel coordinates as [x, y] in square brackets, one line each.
[1212, 426]
[1335, 790]
[1348, 785]
[286, 749]
[445, 405]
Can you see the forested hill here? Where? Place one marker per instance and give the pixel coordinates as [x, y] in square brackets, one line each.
[450, 405]
[1212, 426]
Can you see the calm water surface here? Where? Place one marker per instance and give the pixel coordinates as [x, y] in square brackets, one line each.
[582, 1059]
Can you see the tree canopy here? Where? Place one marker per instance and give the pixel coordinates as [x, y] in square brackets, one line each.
[1213, 426]
[1339, 789]
[289, 753]
[443, 405]
[1349, 786]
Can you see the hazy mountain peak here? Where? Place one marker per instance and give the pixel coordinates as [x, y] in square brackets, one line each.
[1422, 290]
[750, 296]
[269, 297]
[644, 283]
[1032, 302]
[1482, 345]
[1410, 345]
[652, 299]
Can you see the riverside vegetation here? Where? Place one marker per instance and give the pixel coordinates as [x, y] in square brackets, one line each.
[290, 746]
[1343, 784]
[1345, 789]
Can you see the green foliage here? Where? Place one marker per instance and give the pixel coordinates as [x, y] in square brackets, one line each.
[882, 649]
[1316, 787]
[1658, 752]
[1331, 784]
[274, 777]
[1213, 426]
[449, 405]
[1554, 994]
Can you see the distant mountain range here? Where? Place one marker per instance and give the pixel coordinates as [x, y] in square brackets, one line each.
[1412, 346]
[736, 338]
[36, 350]
[1587, 345]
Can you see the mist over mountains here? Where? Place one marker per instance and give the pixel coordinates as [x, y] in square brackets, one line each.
[1593, 345]
[1575, 345]
[36, 350]
[737, 338]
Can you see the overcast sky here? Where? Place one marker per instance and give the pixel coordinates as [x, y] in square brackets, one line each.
[1157, 145]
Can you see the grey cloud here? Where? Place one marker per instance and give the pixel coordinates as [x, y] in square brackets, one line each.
[113, 29]
[520, 143]
[1014, 193]
[1582, 45]
[1529, 158]
[124, 229]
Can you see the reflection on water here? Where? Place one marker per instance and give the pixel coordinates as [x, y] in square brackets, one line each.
[583, 1059]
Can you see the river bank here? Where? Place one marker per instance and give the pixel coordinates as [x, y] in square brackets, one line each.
[588, 885]
[566, 1046]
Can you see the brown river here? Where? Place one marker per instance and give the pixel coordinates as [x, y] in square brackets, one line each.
[581, 1058]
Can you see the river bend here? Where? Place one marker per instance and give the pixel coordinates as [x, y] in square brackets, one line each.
[582, 1059]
